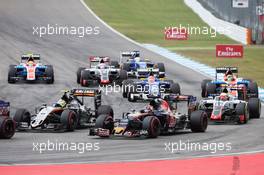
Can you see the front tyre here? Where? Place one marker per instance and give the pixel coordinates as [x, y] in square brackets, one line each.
[198, 121]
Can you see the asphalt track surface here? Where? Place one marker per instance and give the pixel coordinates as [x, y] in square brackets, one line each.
[66, 54]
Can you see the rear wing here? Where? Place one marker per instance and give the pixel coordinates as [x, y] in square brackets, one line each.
[96, 93]
[25, 57]
[4, 108]
[95, 60]
[129, 54]
[85, 92]
[181, 98]
[223, 70]
[99, 58]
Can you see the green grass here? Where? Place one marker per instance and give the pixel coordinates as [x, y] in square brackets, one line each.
[145, 20]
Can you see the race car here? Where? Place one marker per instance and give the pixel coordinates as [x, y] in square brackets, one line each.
[140, 68]
[225, 78]
[31, 69]
[103, 72]
[149, 88]
[228, 108]
[7, 124]
[160, 116]
[68, 113]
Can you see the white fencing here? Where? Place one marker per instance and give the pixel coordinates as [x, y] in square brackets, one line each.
[235, 32]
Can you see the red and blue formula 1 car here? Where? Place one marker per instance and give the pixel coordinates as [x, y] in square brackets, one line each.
[31, 69]
[225, 78]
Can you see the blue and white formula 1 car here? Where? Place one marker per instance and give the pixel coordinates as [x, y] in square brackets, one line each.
[140, 68]
[7, 125]
[149, 88]
[31, 69]
[225, 79]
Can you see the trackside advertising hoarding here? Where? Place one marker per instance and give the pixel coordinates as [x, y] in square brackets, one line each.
[175, 33]
[229, 51]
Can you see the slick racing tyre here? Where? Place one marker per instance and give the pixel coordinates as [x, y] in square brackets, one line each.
[105, 109]
[152, 125]
[69, 120]
[253, 89]
[85, 76]
[210, 89]
[115, 64]
[122, 77]
[175, 88]
[7, 128]
[22, 115]
[241, 110]
[11, 74]
[126, 87]
[161, 69]
[126, 67]
[198, 121]
[50, 74]
[105, 121]
[79, 71]
[254, 108]
[203, 86]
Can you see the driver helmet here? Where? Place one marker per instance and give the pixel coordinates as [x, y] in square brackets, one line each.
[155, 103]
[101, 65]
[223, 96]
[61, 103]
[229, 78]
[151, 79]
[30, 60]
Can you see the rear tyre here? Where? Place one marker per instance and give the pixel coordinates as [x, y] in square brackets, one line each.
[152, 125]
[126, 87]
[50, 74]
[253, 89]
[126, 67]
[175, 88]
[198, 121]
[69, 120]
[85, 76]
[11, 74]
[79, 71]
[7, 128]
[122, 77]
[254, 108]
[241, 110]
[161, 69]
[115, 64]
[210, 89]
[203, 86]
[105, 109]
